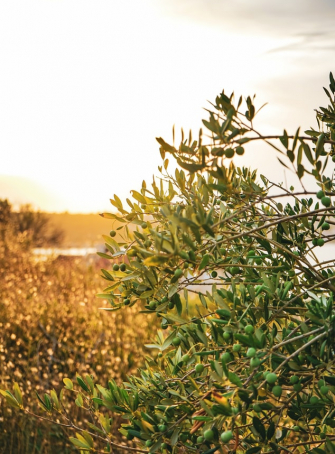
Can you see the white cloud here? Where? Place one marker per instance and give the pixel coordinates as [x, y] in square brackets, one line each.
[257, 17]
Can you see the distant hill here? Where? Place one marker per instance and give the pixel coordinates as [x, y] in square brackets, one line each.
[82, 230]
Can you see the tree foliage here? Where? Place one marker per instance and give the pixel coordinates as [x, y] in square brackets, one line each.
[229, 261]
[32, 227]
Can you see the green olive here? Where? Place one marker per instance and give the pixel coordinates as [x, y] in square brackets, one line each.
[321, 382]
[199, 368]
[176, 341]
[226, 357]
[249, 329]
[324, 390]
[229, 153]
[255, 362]
[297, 387]
[271, 378]
[209, 435]
[226, 436]
[152, 305]
[251, 352]
[234, 270]
[326, 201]
[277, 391]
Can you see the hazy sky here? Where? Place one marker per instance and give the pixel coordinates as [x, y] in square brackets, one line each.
[86, 86]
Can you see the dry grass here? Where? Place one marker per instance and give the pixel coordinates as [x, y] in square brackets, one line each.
[51, 328]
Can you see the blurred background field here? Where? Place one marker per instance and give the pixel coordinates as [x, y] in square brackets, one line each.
[51, 327]
[81, 230]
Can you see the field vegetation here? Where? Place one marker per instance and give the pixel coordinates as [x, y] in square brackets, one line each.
[50, 328]
[80, 230]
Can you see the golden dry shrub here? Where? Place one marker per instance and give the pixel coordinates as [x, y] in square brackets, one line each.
[50, 328]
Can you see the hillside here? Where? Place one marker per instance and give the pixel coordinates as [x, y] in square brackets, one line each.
[82, 230]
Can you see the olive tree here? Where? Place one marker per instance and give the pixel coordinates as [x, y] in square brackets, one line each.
[229, 261]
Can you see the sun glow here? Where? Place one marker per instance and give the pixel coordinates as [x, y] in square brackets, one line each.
[86, 87]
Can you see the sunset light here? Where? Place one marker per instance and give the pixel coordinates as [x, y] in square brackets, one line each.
[87, 86]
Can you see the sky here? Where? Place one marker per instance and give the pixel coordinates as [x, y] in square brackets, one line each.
[86, 86]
